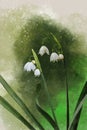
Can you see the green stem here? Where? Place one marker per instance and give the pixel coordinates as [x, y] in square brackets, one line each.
[67, 98]
[49, 100]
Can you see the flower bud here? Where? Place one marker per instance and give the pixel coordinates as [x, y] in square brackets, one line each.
[61, 56]
[37, 73]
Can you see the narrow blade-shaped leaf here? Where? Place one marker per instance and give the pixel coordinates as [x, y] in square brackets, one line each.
[71, 126]
[76, 121]
[36, 60]
[46, 115]
[56, 40]
[8, 107]
[19, 102]
[83, 93]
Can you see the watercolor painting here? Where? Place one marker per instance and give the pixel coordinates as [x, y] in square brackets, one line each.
[43, 65]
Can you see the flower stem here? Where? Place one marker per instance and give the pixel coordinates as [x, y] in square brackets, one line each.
[49, 100]
[67, 97]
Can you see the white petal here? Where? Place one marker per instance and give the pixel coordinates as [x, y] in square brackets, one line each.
[29, 66]
[32, 66]
[61, 56]
[43, 50]
[54, 57]
[37, 73]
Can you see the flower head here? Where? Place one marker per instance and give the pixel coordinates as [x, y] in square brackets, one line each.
[54, 57]
[37, 73]
[29, 66]
[61, 56]
[43, 50]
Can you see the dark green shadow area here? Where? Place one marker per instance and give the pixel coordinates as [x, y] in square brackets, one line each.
[34, 34]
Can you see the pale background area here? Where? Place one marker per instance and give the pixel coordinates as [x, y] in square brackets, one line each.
[58, 9]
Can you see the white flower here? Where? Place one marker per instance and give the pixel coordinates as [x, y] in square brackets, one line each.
[29, 66]
[61, 56]
[54, 57]
[43, 50]
[37, 73]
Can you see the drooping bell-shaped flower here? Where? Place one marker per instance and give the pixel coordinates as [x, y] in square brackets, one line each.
[29, 66]
[37, 73]
[61, 56]
[43, 50]
[54, 57]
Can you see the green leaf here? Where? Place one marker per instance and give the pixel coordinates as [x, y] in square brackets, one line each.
[56, 40]
[82, 95]
[78, 109]
[19, 102]
[76, 121]
[46, 115]
[8, 107]
[36, 60]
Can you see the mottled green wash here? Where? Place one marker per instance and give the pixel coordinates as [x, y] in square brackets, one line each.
[24, 37]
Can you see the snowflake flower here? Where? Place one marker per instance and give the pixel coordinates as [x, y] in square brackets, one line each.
[43, 50]
[29, 66]
[54, 57]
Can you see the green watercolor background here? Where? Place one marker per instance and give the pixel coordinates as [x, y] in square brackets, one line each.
[21, 34]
